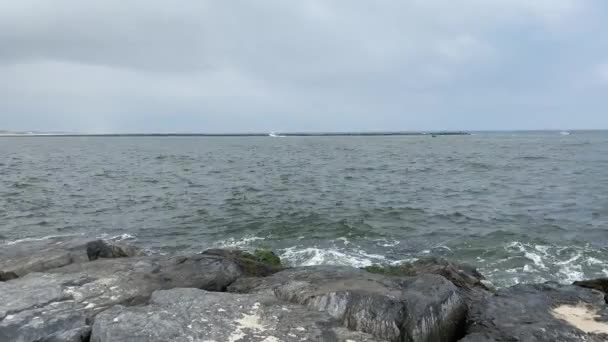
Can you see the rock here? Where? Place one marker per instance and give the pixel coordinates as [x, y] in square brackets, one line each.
[6, 276]
[197, 315]
[268, 257]
[540, 312]
[423, 308]
[258, 266]
[66, 299]
[488, 285]
[462, 275]
[600, 284]
[75, 335]
[104, 249]
[22, 258]
[41, 255]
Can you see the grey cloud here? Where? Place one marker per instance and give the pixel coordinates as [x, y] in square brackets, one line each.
[309, 65]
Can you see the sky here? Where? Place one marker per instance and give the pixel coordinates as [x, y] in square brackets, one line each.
[314, 65]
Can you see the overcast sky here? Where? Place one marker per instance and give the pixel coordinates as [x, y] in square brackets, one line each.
[327, 65]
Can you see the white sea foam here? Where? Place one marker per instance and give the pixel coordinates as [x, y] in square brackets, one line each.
[570, 273]
[564, 264]
[387, 243]
[120, 237]
[48, 237]
[310, 256]
[344, 240]
[594, 261]
[240, 242]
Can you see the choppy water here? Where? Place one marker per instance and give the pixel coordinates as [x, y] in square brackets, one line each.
[521, 206]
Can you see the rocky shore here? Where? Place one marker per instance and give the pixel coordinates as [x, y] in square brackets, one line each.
[75, 290]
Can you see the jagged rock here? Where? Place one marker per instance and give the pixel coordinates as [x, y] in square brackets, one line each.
[196, 315]
[462, 275]
[22, 258]
[423, 308]
[41, 255]
[538, 313]
[267, 256]
[75, 335]
[256, 265]
[105, 249]
[6, 276]
[600, 284]
[64, 299]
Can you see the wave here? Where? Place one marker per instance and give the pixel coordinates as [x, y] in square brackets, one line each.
[311, 256]
[43, 238]
[537, 262]
[238, 243]
[120, 237]
[104, 236]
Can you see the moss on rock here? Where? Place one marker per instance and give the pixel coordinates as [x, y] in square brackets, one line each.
[268, 257]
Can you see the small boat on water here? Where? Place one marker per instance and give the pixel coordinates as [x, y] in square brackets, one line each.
[565, 133]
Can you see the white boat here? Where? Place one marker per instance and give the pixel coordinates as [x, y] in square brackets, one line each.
[564, 133]
[272, 135]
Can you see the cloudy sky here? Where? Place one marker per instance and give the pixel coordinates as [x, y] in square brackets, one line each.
[276, 65]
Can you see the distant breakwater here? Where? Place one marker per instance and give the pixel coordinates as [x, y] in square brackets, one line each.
[275, 134]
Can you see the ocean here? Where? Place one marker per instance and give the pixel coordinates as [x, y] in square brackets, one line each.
[521, 206]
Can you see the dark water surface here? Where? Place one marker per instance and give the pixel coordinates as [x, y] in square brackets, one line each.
[521, 206]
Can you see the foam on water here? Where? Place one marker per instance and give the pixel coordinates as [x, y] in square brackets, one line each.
[30, 239]
[540, 262]
[528, 204]
[311, 256]
[232, 242]
[120, 237]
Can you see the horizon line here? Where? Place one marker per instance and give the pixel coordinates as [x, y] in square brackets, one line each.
[6, 133]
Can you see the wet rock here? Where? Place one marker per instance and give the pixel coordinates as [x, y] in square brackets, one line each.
[600, 284]
[105, 249]
[423, 308]
[268, 257]
[540, 312]
[65, 299]
[462, 275]
[197, 315]
[76, 335]
[6, 276]
[258, 266]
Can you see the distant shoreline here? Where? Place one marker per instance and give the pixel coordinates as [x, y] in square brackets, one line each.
[330, 134]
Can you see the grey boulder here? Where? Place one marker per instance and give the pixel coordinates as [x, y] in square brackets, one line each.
[184, 315]
[105, 249]
[540, 313]
[64, 299]
[19, 259]
[423, 308]
[600, 284]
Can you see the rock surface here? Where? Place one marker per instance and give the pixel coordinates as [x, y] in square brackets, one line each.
[423, 308]
[538, 313]
[462, 275]
[20, 259]
[41, 255]
[64, 299]
[196, 315]
[600, 284]
[60, 290]
[104, 249]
